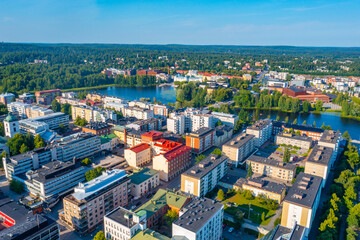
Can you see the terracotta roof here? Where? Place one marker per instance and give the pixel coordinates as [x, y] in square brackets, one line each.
[152, 134]
[176, 152]
[139, 148]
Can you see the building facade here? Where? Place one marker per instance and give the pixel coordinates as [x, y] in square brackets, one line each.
[201, 139]
[262, 130]
[239, 148]
[138, 155]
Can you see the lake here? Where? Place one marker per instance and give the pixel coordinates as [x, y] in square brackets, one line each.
[164, 94]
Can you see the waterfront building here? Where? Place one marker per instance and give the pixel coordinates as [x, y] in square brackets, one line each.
[228, 119]
[262, 130]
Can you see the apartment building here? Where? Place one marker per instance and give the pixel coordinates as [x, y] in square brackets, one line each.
[204, 176]
[143, 182]
[130, 137]
[262, 130]
[319, 162]
[281, 232]
[71, 101]
[331, 139]
[228, 119]
[116, 106]
[149, 234]
[303, 142]
[25, 98]
[92, 114]
[54, 179]
[139, 113]
[189, 113]
[85, 209]
[35, 128]
[272, 190]
[36, 111]
[20, 223]
[271, 168]
[138, 155]
[146, 125]
[97, 128]
[201, 121]
[301, 202]
[122, 224]
[6, 98]
[223, 133]
[201, 219]
[201, 139]
[78, 146]
[171, 161]
[18, 109]
[139, 104]
[53, 120]
[47, 96]
[161, 110]
[239, 148]
[159, 204]
[176, 124]
[313, 132]
[112, 99]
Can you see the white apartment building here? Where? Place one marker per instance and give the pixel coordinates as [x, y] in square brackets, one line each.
[229, 119]
[139, 113]
[262, 131]
[116, 106]
[202, 120]
[201, 219]
[53, 120]
[114, 100]
[18, 109]
[176, 124]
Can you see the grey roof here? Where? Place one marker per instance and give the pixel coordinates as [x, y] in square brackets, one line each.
[239, 141]
[303, 128]
[270, 162]
[304, 190]
[197, 213]
[222, 128]
[266, 185]
[284, 233]
[330, 136]
[120, 215]
[205, 166]
[202, 131]
[97, 125]
[232, 179]
[260, 124]
[320, 155]
[297, 137]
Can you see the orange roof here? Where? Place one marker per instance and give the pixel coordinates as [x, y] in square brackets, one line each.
[176, 152]
[152, 134]
[139, 148]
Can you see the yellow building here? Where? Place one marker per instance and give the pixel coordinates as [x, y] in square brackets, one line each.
[139, 155]
[130, 137]
[301, 202]
[272, 190]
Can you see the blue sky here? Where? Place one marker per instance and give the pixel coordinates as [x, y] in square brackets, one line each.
[255, 22]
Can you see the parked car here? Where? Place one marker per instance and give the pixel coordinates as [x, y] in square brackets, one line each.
[231, 229]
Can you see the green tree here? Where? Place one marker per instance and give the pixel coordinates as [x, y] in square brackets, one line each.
[221, 195]
[62, 128]
[80, 121]
[66, 108]
[170, 217]
[3, 155]
[346, 135]
[39, 141]
[199, 158]
[2, 129]
[277, 118]
[24, 148]
[306, 106]
[217, 151]
[16, 186]
[286, 119]
[263, 217]
[86, 162]
[249, 171]
[287, 155]
[99, 236]
[318, 105]
[304, 122]
[314, 124]
[55, 106]
[295, 121]
[218, 123]
[94, 173]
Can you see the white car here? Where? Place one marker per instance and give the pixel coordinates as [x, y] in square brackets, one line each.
[231, 229]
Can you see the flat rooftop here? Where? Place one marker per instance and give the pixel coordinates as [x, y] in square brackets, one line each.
[197, 213]
[320, 155]
[142, 175]
[304, 128]
[122, 216]
[330, 136]
[293, 136]
[205, 166]
[239, 141]
[260, 124]
[304, 190]
[200, 132]
[266, 185]
[270, 162]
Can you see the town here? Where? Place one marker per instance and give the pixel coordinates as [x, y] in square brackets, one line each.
[92, 166]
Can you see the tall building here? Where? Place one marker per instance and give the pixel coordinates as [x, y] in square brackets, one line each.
[18, 109]
[301, 202]
[54, 179]
[223, 133]
[239, 148]
[204, 176]
[201, 121]
[262, 130]
[85, 209]
[11, 126]
[54, 120]
[176, 124]
[201, 219]
[331, 139]
[201, 139]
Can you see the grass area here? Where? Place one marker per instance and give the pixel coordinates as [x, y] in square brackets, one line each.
[293, 152]
[256, 206]
[279, 149]
[333, 110]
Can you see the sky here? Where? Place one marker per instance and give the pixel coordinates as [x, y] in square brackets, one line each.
[197, 22]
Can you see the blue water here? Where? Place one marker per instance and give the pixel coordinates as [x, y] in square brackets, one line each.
[165, 94]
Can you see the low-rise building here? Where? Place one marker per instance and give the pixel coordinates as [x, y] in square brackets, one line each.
[54, 120]
[159, 204]
[319, 162]
[301, 202]
[201, 219]
[130, 137]
[36, 111]
[239, 148]
[109, 142]
[262, 130]
[85, 209]
[313, 132]
[271, 168]
[146, 125]
[201, 139]
[54, 179]
[138, 155]
[272, 190]
[294, 140]
[6, 98]
[143, 181]
[228, 119]
[204, 176]
[97, 128]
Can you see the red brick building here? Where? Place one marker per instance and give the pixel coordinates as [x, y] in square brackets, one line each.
[98, 128]
[294, 91]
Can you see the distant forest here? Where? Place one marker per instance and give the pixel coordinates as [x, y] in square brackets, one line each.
[79, 65]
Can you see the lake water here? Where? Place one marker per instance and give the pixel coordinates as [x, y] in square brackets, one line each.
[328, 118]
[167, 94]
[164, 94]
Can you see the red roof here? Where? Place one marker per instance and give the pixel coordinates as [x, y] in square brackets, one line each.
[176, 152]
[166, 144]
[139, 148]
[152, 134]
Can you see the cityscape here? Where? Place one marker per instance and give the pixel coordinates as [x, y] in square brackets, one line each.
[241, 131]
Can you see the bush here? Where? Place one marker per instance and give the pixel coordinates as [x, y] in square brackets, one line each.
[16, 186]
[221, 195]
[248, 195]
[86, 162]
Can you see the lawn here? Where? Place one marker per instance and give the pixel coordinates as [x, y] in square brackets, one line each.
[256, 206]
